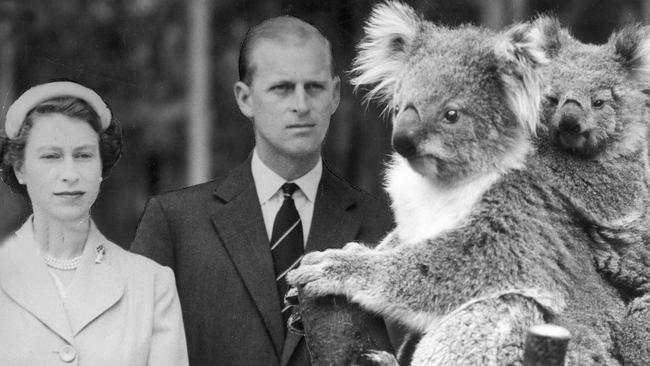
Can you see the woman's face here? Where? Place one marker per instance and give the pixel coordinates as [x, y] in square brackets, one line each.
[62, 167]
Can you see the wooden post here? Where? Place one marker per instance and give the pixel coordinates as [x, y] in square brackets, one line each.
[199, 135]
[546, 345]
[338, 332]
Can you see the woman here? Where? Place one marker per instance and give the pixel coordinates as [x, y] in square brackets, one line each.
[67, 294]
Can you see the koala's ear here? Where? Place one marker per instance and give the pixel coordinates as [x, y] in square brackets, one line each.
[632, 49]
[383, 52]
[520, 52]
[549, 34]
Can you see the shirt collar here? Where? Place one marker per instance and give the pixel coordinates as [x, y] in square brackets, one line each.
[268, 182]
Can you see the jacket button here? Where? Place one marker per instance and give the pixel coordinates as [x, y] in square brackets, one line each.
[67, 353]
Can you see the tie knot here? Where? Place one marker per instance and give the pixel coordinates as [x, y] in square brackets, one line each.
[289, 188]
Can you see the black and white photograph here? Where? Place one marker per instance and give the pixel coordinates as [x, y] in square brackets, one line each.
[325, 183]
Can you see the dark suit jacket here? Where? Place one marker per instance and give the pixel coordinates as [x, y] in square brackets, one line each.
[212, 235]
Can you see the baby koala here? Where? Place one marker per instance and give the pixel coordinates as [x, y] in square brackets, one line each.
[596, 120]
[485, 243]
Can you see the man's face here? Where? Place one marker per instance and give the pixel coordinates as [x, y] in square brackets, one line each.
[291, 97]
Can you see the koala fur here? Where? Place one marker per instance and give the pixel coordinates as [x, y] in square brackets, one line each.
[596, 122]
[486, 244]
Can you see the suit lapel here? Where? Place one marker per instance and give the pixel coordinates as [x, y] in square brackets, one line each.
[240, 225]
[335, 221]
[334, 224]
[96, 287]
[25, 278]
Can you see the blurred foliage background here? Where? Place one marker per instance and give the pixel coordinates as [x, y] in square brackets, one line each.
[166, 68]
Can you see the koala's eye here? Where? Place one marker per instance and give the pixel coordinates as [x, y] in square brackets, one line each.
[552, 100]
[451, 116]
[598, 103]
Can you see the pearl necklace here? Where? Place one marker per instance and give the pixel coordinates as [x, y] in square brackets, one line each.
[62, 264]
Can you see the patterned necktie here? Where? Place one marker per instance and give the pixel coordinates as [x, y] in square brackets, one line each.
[286, 243]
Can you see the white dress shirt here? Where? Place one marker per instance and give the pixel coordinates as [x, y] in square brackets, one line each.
[267, 185]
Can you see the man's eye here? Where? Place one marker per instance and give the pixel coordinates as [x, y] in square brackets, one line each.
[315, 87]
[84, 156]
[282, 87]
[50, 156]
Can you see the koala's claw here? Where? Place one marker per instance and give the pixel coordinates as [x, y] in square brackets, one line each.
[304, 274]
[377, 358]
[295, 324]
[291, 297]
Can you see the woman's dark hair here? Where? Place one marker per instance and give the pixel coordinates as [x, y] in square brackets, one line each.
[12, 151]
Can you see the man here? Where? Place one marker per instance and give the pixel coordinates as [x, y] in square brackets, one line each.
[225, 239]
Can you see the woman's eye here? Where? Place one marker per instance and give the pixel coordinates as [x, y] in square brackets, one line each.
[598, 103]
[552, 100]
[451, 116]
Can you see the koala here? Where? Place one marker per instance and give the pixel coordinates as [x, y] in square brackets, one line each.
[595, 121]
[485, 245]
[595, 117]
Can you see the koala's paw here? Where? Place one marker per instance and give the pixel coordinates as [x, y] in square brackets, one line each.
[325, 273]
[318, 257]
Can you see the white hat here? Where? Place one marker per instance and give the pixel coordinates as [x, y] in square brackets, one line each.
[40, 93]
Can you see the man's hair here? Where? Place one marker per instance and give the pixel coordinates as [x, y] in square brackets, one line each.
[12, 151]
[278, 28]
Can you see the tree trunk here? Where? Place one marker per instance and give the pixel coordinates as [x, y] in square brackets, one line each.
[198, 134]
[338, 332]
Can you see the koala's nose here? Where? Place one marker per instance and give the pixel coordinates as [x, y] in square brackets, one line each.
[570, 125]
[406, 133]
[570, 120]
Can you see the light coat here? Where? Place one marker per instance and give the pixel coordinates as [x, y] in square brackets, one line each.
[119, 310]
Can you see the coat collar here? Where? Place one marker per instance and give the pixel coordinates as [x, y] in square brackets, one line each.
[335, 220]
[26, 279]
[240, 224]
[97, 285]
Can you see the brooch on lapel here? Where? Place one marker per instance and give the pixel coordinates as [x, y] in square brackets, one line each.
[100, 253]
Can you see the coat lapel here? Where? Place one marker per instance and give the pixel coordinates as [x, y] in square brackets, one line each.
[96, 287]
[25, 278]
[240, 225]
[334, 224]
[335, 220]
